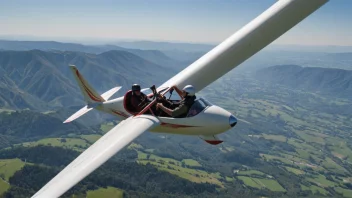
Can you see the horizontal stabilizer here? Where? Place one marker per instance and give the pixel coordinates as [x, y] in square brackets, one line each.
[109, 93]
[78, 114]
[211, 139]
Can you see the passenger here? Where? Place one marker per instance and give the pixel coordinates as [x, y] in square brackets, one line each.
[138, 100]
[187, 95]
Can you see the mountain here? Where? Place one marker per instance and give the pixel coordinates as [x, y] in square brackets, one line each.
[154, 56]
[46, 45]
[327, 81]
[32, 79]
[165, 46]
[312, 48]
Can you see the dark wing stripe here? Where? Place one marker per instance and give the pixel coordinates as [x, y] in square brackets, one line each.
[90, 94]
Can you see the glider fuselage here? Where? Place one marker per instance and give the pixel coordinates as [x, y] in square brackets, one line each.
[205, 119]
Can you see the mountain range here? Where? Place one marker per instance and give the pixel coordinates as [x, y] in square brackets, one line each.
[39, 79]
[152, 55]
[326, 81]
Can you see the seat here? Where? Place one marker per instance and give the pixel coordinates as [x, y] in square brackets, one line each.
[127, 103]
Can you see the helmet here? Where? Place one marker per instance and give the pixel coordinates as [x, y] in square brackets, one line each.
[189, 89]
[136, 87]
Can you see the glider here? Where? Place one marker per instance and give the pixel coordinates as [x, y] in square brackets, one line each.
[204, 119]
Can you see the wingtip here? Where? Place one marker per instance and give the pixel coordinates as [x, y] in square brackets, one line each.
[67, 121]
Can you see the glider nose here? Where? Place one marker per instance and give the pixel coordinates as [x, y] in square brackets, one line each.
[232, 121]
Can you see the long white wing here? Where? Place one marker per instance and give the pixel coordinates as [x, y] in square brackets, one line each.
[253, 37]
[102, 150]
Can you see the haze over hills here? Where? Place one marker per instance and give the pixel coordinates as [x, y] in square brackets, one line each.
[312, 48]
[46, 45]
[166, 46]
[30, 78]
[46, 79]
[326, 81]
[153, 55]
[180, 55]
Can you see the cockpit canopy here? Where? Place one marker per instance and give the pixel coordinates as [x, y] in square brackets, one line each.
[198, 106]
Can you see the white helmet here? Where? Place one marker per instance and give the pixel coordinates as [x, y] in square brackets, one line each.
[189, 89]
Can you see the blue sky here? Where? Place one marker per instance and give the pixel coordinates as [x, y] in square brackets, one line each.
[197, 21]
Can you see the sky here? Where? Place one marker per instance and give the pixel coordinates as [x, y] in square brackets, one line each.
[195, 21]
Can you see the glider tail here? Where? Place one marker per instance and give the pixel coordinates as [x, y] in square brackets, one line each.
[90, 95]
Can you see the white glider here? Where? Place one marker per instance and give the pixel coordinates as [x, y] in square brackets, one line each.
[204, 119]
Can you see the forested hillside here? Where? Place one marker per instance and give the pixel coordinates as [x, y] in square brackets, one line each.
[41, 80]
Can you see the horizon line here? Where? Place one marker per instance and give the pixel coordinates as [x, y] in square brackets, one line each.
[82, 41]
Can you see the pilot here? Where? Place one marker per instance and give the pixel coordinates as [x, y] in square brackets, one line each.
[188, 96]
[138, 100]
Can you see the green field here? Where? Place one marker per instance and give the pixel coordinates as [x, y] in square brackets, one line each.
[229, 179]
[276, 158]
[303, 187]
[135, 146]
[250, 172]
[4, 186]
[175, 167]
[193, 175]
[191, 162]
[262, 183]
[320, 180]
[306, 136]
[315, 189]
[303, 154]
[106, 127]
[149, 150]
[340, 149]
[279, 138]
[161, 159]
[270, 184]
[73, 143]
[294, 170]
[333, 166]
[8, 167]
[300, 144]
[105, 192]
[91, 138]
[344, 192]
[249, 182]
[141, 155]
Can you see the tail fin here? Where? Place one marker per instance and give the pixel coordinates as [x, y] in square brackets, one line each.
[109, 93]
[90, 95]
